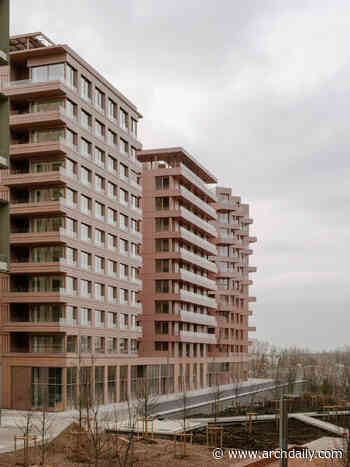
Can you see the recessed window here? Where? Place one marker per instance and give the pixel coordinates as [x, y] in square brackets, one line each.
[86, 120]
[99, 100]
[85, 90]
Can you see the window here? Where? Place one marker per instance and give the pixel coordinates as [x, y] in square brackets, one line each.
[112, 110]
[124, 147]
[124, 172]
[162, 203]
[99, 345]
[123, 345]
[162, 265]
[112, 320]
[112, 216]
[123, 222]
[133, 128]
[162, 307]
[85, 288]
[71, 168]
[123, 119]
[71, 76]
[134, 226]
[135, 202]
[133, 298]
[111, 242]
[161, 346]
[112, 345]
[111, 267]
[112, 138]
[71, 138]
[99, 183]
[48, 72]
[112, 165]
[112, 190]
[134, 249]
[124, 246]
[71, 227]
[162, 224]
[99, 130]
[85, 148]
[71, 197]
[71, 109]
[85, 90]
[161, 327]
[133, 273]
[99, 211]
[99, 157]
[85, 260]
[162, 244]
[99, 238]
[99, 319]
[71, 256]
[162, 183]
[85, 231]
[133, 345]
[86, 120]
[124, 272]
[99, 291]
[124, 297]
[112, 294]
[133, 153]
[99, 265]
[85, 176]
[85, 317]
[123, 197]
[162, 286]
[99, 100]
[85, 204]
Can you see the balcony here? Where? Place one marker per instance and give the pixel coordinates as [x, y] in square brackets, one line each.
[37, 89]
[198, 222]
[197, 279]
[3, 58]
[24, 120]
[27, 148]
[252, 268]
[4, 161]
[252, 239]
[198, 260]
[198, 241]
[198, 318]
[4, 263]
[205, 207]
[36, 178]
[197, 298]
[197, 181]
[192, 336]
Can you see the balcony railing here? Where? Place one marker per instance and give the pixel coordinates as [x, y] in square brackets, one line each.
[196, 220]
[198, 202]
[197, 240]
[198, 336]
[198, 260]
[47, 348]
[198, 318]
[207, 301]
[197, 181]
[198, 279]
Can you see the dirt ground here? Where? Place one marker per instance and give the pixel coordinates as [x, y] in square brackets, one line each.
[161, 452]
[265, 435]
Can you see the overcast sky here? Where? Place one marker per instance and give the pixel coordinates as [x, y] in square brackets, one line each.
[258, 91]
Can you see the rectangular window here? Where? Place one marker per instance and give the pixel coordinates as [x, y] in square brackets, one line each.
[85, 288]
[85, 317]
[123, 246]
[162, 183]
[133, 128]
[85, 176]
[85, 148]
[99, 130]
[123, 119]
[112, 165]
[162, 286]
[99, 291]
[162, 244]
[99, 238]
[99, 100]
[85, 260]
[162, 203]
[48, 73]
[112, 216]
[112, 110]
[123, 222]
[86, 120]
[85, 89]
[162, 224]
[112, 139]
[99, 157]
[124, 172]
[112, 242]
[124, 147]
[162, 265]
[112, 190]
[99, 183]
[99, 265]
[123, 197]
[85, 205]
[85, 231]
[71, 76]
[71, 109]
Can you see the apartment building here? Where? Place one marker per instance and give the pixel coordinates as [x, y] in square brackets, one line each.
[4, 140]
[181, 280]
[69, 308]
[232, 294]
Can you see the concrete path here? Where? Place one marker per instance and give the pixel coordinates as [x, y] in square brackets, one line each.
[337, 430]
